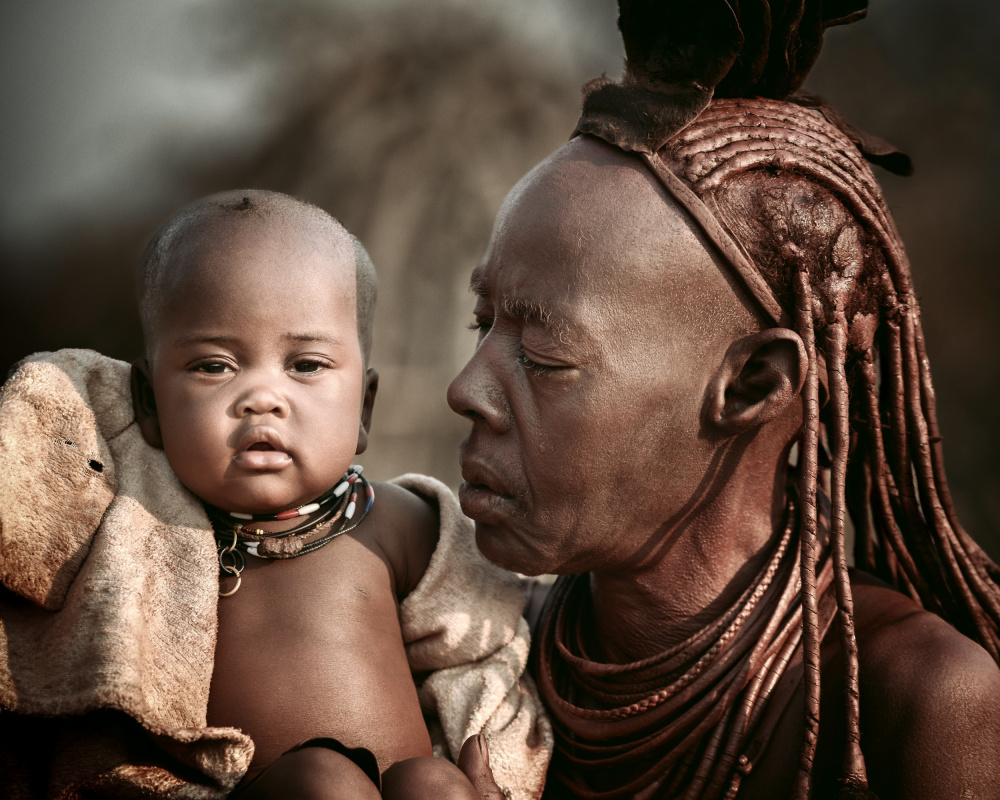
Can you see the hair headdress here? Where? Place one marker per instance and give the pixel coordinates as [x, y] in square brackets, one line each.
[780, 183]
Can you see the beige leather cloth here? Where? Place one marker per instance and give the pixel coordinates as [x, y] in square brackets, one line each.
[109, 601]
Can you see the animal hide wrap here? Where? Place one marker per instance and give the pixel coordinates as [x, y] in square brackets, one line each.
[108, 611]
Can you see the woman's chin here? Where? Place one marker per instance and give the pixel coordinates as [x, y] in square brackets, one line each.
[504, 549]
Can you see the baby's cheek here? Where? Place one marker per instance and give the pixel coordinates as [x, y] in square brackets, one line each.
[332, 443]
[341, 444]
[195, 444]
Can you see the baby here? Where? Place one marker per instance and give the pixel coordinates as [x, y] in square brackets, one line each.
[257, 314]
[327, 634]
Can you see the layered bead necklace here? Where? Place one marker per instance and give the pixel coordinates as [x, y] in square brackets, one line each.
[235, 538]
[688, 722]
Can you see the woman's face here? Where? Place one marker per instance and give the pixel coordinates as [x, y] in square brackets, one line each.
[598, 311]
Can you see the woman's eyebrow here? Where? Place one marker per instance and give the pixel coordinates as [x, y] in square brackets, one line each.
[528, 311]
[477, 283]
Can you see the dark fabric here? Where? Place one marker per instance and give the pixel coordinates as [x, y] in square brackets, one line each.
[362, 756]
[104, 754]
[853, 791]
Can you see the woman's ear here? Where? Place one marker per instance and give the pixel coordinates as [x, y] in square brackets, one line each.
[367, 404]
[144, 403]
[760, 376]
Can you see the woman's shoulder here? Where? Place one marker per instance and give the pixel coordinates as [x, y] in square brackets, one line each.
[930, 699]
[911, 651]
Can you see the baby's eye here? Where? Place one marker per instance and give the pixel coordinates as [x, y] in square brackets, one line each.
[212, 367]
[307, 367]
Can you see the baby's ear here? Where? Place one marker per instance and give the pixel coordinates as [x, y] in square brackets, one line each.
[144, 403]
[367, 404]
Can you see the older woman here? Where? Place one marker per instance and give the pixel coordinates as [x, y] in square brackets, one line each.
[699, 348]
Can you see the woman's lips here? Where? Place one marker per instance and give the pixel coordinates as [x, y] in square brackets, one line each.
[481, 494]
[478, 500]
[262, 457]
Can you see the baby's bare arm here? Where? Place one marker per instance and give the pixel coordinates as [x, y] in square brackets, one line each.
[321, 774]
[312, 773]
[406, 527]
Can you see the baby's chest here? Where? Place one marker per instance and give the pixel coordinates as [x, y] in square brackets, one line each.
[307, 645]
[316, 611]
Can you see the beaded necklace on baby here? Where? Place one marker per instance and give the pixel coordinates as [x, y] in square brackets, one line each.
[233, 539]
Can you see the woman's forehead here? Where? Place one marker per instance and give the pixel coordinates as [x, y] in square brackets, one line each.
[589, 215]
[590, 183]
[589, 237]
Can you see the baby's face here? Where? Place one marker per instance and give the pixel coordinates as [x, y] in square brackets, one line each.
[256, 367]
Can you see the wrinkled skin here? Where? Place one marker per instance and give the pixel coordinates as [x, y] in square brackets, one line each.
[631, 417]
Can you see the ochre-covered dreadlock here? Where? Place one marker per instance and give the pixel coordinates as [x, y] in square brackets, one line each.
[792, 194]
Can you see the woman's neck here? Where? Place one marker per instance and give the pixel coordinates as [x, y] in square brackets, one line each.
[639, 612]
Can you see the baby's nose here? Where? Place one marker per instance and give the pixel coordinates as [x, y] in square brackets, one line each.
[261, 398]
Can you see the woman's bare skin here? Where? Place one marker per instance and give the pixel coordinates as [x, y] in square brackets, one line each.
[931, 702]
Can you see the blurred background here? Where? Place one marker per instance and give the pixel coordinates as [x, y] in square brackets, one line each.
[409, 121]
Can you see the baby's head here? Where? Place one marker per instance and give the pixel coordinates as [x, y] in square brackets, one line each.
[257, 313]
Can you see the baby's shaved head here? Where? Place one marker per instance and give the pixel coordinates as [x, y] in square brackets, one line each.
[156, 270]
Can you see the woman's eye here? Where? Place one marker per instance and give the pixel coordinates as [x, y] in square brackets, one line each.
[534, 366]
[481, 324]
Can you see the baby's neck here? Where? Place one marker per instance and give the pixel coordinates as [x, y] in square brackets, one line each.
[343, 493]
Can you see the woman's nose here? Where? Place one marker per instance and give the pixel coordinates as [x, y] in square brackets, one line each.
[477, 394]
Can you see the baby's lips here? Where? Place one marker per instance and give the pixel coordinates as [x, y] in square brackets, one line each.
[262, 459]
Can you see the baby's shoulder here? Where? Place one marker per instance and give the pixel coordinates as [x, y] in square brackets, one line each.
[406, 527]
